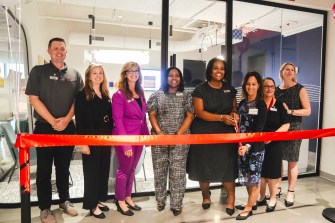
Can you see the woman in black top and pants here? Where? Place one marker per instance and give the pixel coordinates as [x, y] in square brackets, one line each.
[93, 117]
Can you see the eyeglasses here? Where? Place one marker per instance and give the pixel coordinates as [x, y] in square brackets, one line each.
[132, 71]
[269, 86]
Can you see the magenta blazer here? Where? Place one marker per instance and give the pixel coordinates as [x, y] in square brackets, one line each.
[128, 117]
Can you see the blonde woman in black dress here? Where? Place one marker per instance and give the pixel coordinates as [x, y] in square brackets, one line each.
[296, 104]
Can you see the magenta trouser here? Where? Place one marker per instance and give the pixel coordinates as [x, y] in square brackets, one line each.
[126, 172]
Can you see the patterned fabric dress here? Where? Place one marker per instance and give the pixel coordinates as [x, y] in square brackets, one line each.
[291, 148]
[170, 160]
[252, 119]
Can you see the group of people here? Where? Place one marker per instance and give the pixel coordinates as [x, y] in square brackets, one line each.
[57, 93]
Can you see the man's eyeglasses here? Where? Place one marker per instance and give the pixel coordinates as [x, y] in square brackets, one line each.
[132, 71]
[269, 86]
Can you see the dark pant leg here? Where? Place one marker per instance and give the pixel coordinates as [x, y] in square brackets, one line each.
[91, 178]
[44, 168]
[63, 156]
[105, 158]
[43, 177]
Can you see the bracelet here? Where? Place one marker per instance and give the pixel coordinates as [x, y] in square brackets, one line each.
[248, 146]
[221, 118]
[292, 111]
[234, 112]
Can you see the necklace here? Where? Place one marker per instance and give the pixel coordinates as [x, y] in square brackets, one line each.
[219, 87]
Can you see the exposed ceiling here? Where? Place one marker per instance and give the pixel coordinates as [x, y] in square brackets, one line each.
[192, 20]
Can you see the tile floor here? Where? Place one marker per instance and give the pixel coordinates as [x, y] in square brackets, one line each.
[313, 194]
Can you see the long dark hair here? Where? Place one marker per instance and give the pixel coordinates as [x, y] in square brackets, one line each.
[258, 77]
[165, 84]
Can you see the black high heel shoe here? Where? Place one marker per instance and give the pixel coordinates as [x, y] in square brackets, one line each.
[206, 206]
[270, 208]
[100, 216]
[119, 209]
[289, 203]
[277, 195]
[176, 211]
[230, 211]
[262, 202]
[103, 207]
[134, 208]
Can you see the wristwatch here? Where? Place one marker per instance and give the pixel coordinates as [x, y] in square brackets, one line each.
[292, 111]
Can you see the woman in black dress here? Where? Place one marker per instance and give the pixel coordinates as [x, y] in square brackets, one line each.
[276, 121]
[93, 112]
[297, 104]
[215, 109]
[252, 110]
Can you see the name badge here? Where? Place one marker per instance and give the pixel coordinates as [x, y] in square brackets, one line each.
[53, 78]
[273, 109]
[179, 94]
[226, 91]
[253, 111]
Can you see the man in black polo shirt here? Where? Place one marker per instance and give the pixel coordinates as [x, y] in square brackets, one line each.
[51, 88]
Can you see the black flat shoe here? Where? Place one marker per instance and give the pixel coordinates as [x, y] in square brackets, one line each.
[230, 211]
[241, 207]
[176, 211]
[103, 207]
[119, 209]
[262, 203]
[206, 206]
[100, 216]
[270, 208]
[134, 208]
[239, 217]
[160, 207]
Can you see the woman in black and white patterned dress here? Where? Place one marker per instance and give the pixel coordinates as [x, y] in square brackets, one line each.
[297, 104]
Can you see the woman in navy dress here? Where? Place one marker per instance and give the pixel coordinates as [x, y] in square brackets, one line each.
[252, 110]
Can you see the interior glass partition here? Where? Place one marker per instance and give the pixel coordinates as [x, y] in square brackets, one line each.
[196, 36]
[272, 35]
[13, 102]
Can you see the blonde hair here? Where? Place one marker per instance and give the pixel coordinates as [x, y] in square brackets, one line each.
[123, 83]
[294, 79]
[88, 84]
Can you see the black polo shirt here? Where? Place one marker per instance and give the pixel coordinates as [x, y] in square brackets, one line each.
[55, 88]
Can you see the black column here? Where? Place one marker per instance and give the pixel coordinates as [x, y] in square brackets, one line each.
[229, 39]
[165, 37]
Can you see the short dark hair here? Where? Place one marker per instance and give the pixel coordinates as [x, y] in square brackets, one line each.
[259, 81]
[210, 67]
[165, 85]
[55, 39]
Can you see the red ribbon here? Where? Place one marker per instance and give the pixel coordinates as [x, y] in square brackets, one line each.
[44, 140]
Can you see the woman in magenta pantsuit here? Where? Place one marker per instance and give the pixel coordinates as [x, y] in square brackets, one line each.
[128, 111]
